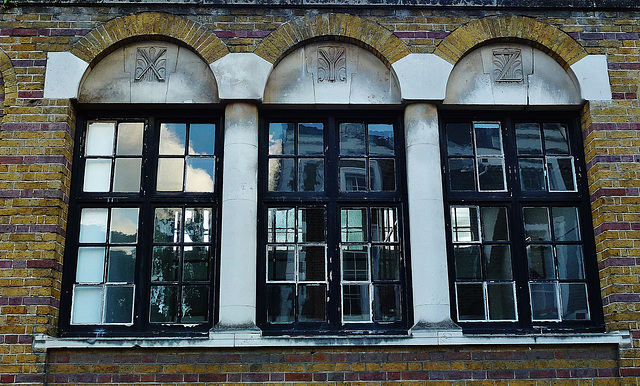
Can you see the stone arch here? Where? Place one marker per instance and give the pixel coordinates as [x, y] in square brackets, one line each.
[549, 39]
[107, 37]
[10, 81]
[353, 29]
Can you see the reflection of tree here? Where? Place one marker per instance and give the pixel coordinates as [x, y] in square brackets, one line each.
[165, 263]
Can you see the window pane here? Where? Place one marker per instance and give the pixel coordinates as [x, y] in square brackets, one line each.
[312, 300]
[282, 227]
[311, 226]
[566, 224]
[90, 268]
[494, 224]
[386, 306]
[173, 138]
[385, 263]
[353, 175]
[384, 225]
[570, 262]
[497, 260]
[195, 264]
[544, 301]
[311, 265]
[540, 259]
[164, 304]
[202, 138]
[310, 139]
[167, 225]
[470, 301]
[124, 225]
[87, 305]
[491, 174]
[464, 224]
[536, 224]
[462, 175]
[100, 138]
[122, 264]
[488, 141]
[555, 138]
[97, 175]
[164, 266]
[93, 225]
[195, 304]
[282, 174]
[118, 307]
[355, 263]
[574, 301]
[281, 138]
[200, 175]
[467, 261]
[355, 303]
[532, 174]
[459, 141]
[130, 138]
[561, 174]
[281, 263]
[501, 301]
[126, 177]
[352, 139]
[311, 175]
[280, 301]
[353, 225]
[381, 139]
[382, 173]
[170, 174]
[528, 139]
[197, 225]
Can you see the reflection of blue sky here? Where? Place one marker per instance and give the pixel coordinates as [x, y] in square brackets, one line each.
[173, 138]
[201, 138]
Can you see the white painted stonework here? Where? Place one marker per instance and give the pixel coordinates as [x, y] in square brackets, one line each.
[593, 75]
[422, 77]
[63, 75]
[241, 76]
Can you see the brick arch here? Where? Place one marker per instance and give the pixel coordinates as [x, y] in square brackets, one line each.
[109, 36]
[543, 36]
[10, 82]
[365, 33]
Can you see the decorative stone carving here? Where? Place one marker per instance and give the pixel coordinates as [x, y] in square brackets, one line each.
[507, 65]
[332, 64]
[151, 64]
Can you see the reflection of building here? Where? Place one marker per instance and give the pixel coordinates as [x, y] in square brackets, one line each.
[248, 193]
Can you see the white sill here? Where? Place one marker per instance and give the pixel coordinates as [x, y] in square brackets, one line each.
[254, 339]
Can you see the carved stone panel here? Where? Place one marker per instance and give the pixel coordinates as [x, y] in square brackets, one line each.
[151, 64]
[332, 64]
[507, 65]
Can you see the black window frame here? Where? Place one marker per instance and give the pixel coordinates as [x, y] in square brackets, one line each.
[514, 200]
[333, 199]
[146, 200]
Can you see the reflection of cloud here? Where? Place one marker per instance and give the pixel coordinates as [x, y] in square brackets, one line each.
[275, 145]
[170, 142]
[125, 221]
[199, 180]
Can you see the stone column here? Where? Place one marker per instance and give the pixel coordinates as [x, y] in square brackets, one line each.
[430, 277]
[239, 215]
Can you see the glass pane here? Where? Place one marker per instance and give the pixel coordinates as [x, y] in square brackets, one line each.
[470, 301]
[281, 263]
[353, 175]
[312, 300]
[532, 174]
[467, 261]
[544, 301]
[566, 224]
[122, 264]
[200, 175]
[282, 175]
[459, 141]
[462, 175]
[118, 307]
[352, 139]
[381, 139]
[197, 225]
[355, 303]
[164, 266]
[93, 225]
[124, 225]
[130, 138]
[536, 224]
[556, 140]
[386, 305]
[464, 224]
[384, 225]
[540, 259]
[491, 174]
[382, 173]
[311, 175]
[574, 301]
[501, 301]
[311, 226]
[488, 141]
[173, 138]
[167, 225]
[87, 305]
[195, 263]
[310, 139]
[281, 138]
[528, 139]
[353, 225]
[497, 262]
[355, 263]
[97, 175]
[100, 138]
[570, 262]
[282, 226]
[561, 174]
[163, 304]
[280, 303]
[494, 224]
[385, 263]
[311, 263]
[170, 174]
[126, 177]
[195, 304]
[90, 268]
[202, 138]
